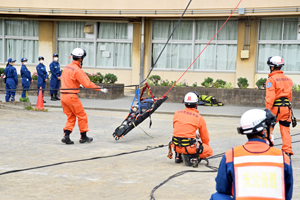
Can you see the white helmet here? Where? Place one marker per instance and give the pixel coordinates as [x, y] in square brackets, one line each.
[78, 53]
[255, 121]
[191, 99]
[275, 61]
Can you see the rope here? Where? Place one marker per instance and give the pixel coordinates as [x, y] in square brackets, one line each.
[203, 49]
[166, 43]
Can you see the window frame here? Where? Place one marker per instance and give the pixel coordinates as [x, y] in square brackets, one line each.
[193, 42]
[95, 40]
[279, 42]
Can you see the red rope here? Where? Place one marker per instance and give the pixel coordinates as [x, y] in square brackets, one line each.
[203, 49]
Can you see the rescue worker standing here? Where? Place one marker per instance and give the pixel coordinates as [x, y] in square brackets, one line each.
[42, 75]
[11, 75]
[55, 78]
[186, 123]
[255, 170]
[278, 100]
[72, 77]
[26, 77]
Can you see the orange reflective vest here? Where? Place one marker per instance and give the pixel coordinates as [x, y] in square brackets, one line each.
[259, 175]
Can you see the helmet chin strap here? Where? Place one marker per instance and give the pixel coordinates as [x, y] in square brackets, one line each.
[268, 137]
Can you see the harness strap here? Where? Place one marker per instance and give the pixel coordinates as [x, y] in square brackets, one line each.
[170, 154]
[283, 101]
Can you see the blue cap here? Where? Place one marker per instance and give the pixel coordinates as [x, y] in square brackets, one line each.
[11, 60]
[23, 59]
[41, 57]
[55, 55]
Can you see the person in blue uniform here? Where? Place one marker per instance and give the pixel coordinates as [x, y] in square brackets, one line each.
[42, 75]
[55, 78]
[11, 80]
[26, 77]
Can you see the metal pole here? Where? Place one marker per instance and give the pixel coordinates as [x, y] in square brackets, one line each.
[142, 50]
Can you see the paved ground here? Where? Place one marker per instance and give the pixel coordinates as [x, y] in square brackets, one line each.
[31, 139]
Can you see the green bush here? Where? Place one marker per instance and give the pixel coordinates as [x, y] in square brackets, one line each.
[101, 77]
[1, 71]
[26, 99]
[110, 78]
[34, 76]
[195, 84]
[242, 83]
[164, 83]
[207, 82]
[296, 87]
[261, 83]
[221, 82]
[228, 86]
[93, 77]
[155, 79]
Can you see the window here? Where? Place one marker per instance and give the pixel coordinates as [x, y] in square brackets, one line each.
[279, 37]
[1, 42]
[188, 41]
[21, 40]
[109, 46]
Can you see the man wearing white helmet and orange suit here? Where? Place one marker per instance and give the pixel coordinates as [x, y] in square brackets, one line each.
[72, 77]
[186, 123]
[255, 171]
[278, 100]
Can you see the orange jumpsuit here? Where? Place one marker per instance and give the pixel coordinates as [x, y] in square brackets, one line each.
[277, 86]
[185, 123]
[72, 77]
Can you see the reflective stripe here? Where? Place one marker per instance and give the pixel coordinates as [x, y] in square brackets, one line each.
[257, 159]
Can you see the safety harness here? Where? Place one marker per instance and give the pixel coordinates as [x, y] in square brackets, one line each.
[283, 101]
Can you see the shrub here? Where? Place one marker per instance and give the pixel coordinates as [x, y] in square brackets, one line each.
[26, 99]
[195, 84]
[242, 83]
[228, 86]
[164, 83]
[154, 79]
[94, 77]
[207, 81]
[101, 77]
[261, 83]
[110, 78]
[34, 76]
[296, 87]
[1, 71]
[217, 85]
[221, 82]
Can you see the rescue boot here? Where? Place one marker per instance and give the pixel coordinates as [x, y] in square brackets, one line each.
[53, 97]
[84, 138]
[66, 139]
[189, 159]
[56, 97]
[178, 158]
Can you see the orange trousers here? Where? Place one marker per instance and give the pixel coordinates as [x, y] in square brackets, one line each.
[73, 108]
[207, 150]
[284, 118]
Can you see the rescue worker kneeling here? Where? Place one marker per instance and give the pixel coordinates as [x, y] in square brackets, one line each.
[255, 170]
[185, 141]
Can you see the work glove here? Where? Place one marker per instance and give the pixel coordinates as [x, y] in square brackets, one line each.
[104, 90]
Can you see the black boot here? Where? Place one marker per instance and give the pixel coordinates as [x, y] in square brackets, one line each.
[66, 139]
[53, 97]
[56, 97]
[178, 158]
[84, 138]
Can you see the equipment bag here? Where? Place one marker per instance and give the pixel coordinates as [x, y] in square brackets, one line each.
[207, 100]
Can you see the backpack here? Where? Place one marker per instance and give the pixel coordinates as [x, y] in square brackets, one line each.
[207, 100]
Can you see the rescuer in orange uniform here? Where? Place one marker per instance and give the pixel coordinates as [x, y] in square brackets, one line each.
[278, 100]
[185, 141]
[72, 77]
[255, 171]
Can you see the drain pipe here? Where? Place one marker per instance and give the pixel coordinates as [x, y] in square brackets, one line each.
[142, 50]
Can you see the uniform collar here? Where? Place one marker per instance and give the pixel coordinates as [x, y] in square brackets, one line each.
[76, 63]
[192, 109]
[256, 140]
[276, 72]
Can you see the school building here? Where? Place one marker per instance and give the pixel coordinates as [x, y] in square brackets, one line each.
[125, 37]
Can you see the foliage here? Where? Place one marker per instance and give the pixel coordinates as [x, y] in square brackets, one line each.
[261, 83]
[28, 108]
[296, 87]
[1, 71]
[228, 86]
[101, 77]
[242, 83]
[221, 82]
[207, 81]
[34, 76]
[164, 82]
[155, 79]
[195, 84]
[26, 99]
[110, 78]
[19, 76]
[35, 109]
[94, 77]
[217, 85]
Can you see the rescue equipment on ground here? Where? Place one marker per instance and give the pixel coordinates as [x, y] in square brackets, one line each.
[190, 148]
[138, 113]
[206, 100]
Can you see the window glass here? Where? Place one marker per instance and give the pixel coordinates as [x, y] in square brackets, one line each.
[105, 54]
[66, 29]
[31, 50]
[291, 57]
[80, 30]
[290, 29]
[1, 51]
[226, 57]
[207, 58]
[264, 52]
[184, 30]
[161, 30]
[31, 28]
[1, 21]
[89, 48]
[14, 49]
[181, 56]
[205, 30]
[64, 51]
[106, 30]
[124, 54]
[270, 29]
[122, 31]
[165, 59]
[229, 30]
[13, 27]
